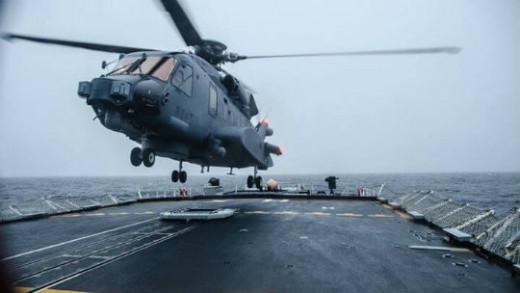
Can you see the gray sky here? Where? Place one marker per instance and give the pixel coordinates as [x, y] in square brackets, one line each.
[427, 113]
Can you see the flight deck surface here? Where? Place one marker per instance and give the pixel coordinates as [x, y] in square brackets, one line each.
[271, 245]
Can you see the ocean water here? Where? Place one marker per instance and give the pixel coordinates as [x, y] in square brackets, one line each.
[500, 191]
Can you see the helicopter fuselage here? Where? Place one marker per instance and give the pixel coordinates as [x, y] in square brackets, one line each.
[181, 107]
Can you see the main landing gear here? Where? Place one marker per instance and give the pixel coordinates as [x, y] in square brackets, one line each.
[180, 175]
[254, 180]
[146, 156]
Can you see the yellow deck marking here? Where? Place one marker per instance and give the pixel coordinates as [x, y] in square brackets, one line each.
[318, 214]
[257, 212]
[403, 215]
[349, 215]
[145, 213]
[67, 216]
[27, 289]
[380, 216]
[286, 213]
[386, 206]
[95, 214]
[119, 214]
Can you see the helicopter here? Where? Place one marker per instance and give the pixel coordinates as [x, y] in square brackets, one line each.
[184, 105]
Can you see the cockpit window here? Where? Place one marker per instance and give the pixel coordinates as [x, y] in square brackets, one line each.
[164, 69]
[156, 66]
[148, 65]
[122, 65]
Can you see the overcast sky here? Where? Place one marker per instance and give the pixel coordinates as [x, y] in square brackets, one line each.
[384, 114]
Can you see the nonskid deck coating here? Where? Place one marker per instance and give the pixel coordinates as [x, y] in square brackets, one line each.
[271, 245]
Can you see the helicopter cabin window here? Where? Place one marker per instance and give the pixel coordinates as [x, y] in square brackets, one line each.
[212, 100]
[183, 78]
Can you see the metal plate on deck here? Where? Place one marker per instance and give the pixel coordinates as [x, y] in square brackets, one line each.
[416, 215]
[198, 214]
[458, 235]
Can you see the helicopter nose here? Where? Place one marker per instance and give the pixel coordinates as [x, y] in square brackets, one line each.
[148, 94]
[105, 91]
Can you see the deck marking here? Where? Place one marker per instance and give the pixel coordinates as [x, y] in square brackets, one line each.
[286, 213]
[80, 273]
[95, 214]
[318, 214]
[119, 214]
[99, 257]
[403, 215]
[275, 200]
[349, 215]
[386, 206]
[77, 239]
[67, 216]
[380, 216]
[72, 255]
[144, 213]
[257, 212]
[29, 289]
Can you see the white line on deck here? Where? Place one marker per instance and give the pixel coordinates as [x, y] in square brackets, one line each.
[125, 254]
[77, 239]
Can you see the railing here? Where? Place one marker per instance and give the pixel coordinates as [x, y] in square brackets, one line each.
[59, 205]
[498, 234]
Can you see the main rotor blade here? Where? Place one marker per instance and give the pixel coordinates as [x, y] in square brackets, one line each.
[184, 25]
[89, 46]
[435, 50]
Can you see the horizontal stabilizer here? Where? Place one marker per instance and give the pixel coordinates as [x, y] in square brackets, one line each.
[273, 149]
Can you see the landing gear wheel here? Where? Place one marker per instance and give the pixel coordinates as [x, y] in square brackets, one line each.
[183, 176]
[250, 181]
[148, 157]
[135, 157]
[258, 182]
[175, 176]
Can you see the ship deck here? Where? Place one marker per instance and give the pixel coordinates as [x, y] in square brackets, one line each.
[271, 245]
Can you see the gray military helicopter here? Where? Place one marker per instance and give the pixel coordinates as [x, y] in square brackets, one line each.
[183, 105]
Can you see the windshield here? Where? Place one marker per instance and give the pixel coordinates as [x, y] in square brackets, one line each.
[156, 66]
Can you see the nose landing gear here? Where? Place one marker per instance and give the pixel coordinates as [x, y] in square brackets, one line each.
[147, 158]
